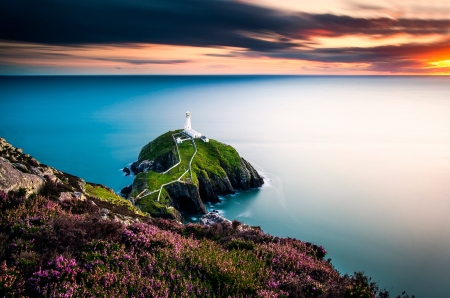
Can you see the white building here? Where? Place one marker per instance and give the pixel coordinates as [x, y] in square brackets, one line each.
[188, 128]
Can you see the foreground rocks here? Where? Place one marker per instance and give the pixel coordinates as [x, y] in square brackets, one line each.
[20, 172]
[12, 179]
[213, 218]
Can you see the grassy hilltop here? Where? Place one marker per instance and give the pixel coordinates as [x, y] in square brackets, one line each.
[211, 159]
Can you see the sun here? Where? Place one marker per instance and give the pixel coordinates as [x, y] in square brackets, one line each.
[441, 63]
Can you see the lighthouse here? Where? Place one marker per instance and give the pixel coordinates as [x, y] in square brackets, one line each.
[188, 127]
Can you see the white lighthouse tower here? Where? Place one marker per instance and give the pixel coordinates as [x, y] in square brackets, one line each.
[188, 127]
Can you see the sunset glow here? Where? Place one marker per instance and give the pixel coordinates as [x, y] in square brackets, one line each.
[226, 37]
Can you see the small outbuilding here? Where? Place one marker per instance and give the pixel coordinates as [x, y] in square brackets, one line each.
[179, 140]
[204, 139]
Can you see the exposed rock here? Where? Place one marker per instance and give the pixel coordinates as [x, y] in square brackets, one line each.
[33, 162]
[79, 196]
[21, 167]
[126, 190]
[126, 171]
[145, 166]
[249, 177]
[12, 179]
[160, 164]
[65, 196]
[185, 197]
[37, 174]
[212, 218]
[52, 178]
[133, 167]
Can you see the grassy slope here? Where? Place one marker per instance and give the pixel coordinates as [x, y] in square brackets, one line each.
[107, 196]
[211, 157]
[158, 146]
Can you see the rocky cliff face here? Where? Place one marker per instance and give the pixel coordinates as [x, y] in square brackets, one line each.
[19, 170]
[11, 179]
[243, 178]
[185, 197]
[159, 164]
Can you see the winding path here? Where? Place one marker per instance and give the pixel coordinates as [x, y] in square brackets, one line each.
[146, 192]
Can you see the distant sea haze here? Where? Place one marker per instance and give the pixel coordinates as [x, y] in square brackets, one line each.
[359, 165]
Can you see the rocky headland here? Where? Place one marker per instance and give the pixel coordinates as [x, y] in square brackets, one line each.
[21, 172]
[216, 169]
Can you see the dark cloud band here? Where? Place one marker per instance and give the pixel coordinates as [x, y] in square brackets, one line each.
[259, 31]
[186, 22]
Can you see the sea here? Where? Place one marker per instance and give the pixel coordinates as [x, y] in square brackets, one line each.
[357, 164]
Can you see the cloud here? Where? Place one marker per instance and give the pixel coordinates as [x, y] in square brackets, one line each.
[206, 23]
[143, 61]
[222, 55]
[250, 30]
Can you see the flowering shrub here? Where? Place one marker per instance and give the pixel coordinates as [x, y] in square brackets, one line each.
[50, 250]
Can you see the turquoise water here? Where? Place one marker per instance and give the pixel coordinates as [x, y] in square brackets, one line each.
[360, 165]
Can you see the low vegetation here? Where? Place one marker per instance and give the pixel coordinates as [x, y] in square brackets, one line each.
[104, 194]
[50, 249]
[158, 146]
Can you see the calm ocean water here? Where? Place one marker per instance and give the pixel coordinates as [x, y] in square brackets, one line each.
[360, 165]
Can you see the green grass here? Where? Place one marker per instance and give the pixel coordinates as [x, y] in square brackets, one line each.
[107, 196]
[214, 156]
[155, 180]
[211, 157]
[150, 205]
[162, 144]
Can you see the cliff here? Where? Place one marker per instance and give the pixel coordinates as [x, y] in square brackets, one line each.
[20, 172]
[191, 173]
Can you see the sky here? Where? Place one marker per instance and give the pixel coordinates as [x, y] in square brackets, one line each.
[320, 37]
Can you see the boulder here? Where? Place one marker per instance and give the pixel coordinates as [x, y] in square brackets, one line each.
[13, 179]
[126, 171]
[212, 218]
[65, 196]
[21, 167]
[145, 166]
[52, 178]
[126, 190]
[79, 196]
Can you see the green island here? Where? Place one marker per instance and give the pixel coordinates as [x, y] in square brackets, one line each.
[191, 162]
